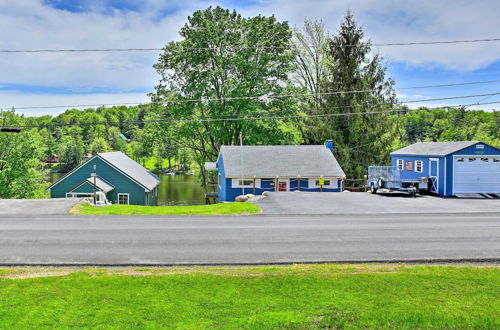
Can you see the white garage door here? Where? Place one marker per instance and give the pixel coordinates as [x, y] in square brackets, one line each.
[476, 174]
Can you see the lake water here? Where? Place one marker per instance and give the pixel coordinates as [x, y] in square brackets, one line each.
[173, 189]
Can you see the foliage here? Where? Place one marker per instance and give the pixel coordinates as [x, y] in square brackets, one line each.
[359, 139]
[213, 209]
[240, 57]
[370, 296]
[20, 154]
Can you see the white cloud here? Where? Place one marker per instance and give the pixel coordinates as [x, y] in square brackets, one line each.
[28, 24]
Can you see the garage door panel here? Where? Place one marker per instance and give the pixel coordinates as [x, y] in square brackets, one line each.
[476, 175]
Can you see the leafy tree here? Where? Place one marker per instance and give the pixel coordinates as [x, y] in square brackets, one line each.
[20, 169]
[240, 57]
[99, 145]
[312, 58]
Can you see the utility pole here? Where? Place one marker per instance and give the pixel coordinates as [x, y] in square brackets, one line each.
[242, 172]
[94, 175]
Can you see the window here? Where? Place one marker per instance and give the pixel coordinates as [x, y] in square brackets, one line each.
[326, 183]
[400, 163]
[461, 160]
[245, 183]
[479, 146]
[472, 159]
[496, 160]
[123, 199]
[329, 183]
[485, 160]
[419, 166]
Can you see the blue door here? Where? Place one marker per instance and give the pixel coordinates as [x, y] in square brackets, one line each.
[433, 175]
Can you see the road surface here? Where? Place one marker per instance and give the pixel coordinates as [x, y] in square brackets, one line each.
[156, 240]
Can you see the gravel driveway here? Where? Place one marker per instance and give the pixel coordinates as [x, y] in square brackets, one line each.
[366, 203]
[37, 206]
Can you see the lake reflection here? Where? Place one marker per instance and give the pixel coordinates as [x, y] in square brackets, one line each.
[173, 189]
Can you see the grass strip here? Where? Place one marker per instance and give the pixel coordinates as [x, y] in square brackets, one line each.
[212, 209]
[291, 297]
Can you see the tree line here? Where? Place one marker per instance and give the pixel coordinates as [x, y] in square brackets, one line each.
[301, 76]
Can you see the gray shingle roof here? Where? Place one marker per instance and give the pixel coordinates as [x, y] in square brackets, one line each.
[132, 169]
[284, 161]
[434, 148]
[101, 184]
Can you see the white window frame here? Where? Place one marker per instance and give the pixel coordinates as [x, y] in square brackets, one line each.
[421, 163]
[400, 163]
[235, 183]
[123, 194]
[334, 183]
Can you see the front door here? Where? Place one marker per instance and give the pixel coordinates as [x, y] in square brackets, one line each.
[433, 175]
[283, 185]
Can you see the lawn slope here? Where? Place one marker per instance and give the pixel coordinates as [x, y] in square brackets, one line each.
[291, 297]
[213, 209]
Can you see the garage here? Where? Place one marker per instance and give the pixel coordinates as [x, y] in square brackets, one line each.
[452, 168]
[478, 174]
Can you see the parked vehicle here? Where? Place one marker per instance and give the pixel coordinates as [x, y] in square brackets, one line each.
[388, 178]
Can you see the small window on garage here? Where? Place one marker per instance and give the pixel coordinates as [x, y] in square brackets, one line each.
[496, 160]
[419, 166]
[485, 160]
[472, 159]
[461, 160]
[400, 164]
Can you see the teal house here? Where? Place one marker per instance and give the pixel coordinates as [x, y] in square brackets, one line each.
[120, 178]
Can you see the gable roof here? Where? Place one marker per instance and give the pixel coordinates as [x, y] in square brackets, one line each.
[101, 183]
[124, 164]
[434, 148]
[131, 168]
[284, 161]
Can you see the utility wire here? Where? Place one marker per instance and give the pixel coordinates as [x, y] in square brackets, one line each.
[413, 43]
[263, 97]
[212, 119]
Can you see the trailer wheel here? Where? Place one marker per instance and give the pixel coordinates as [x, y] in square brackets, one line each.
[373, 190]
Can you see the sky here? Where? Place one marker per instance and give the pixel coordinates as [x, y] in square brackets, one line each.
[50, 79]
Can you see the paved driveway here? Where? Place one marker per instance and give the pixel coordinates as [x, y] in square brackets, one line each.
[366, 203]
[37, 206]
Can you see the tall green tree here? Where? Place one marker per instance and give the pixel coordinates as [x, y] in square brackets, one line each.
[360, 139]
[20, 169]
[224, 55]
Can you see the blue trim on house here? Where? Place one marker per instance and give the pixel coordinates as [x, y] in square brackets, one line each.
[229, 194]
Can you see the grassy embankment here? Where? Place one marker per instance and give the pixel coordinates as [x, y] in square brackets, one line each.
[213, 209]
[292, 297]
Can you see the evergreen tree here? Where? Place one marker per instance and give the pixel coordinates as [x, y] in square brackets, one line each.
[360, 139]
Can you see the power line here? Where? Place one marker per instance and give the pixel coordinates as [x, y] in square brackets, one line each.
[91, 50]
[212, 119]
[264, 97]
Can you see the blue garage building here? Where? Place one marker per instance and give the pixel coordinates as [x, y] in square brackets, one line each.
[453, 167]
[256, 169]
[120, 178]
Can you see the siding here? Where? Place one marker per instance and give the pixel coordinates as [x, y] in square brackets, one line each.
[122, 183]
[268, 184]
[445, 166]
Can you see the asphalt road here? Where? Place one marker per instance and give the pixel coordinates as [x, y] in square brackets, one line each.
[130, 240]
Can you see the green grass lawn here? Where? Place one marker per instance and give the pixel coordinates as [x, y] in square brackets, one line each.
[212, 209]
[291, 297]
